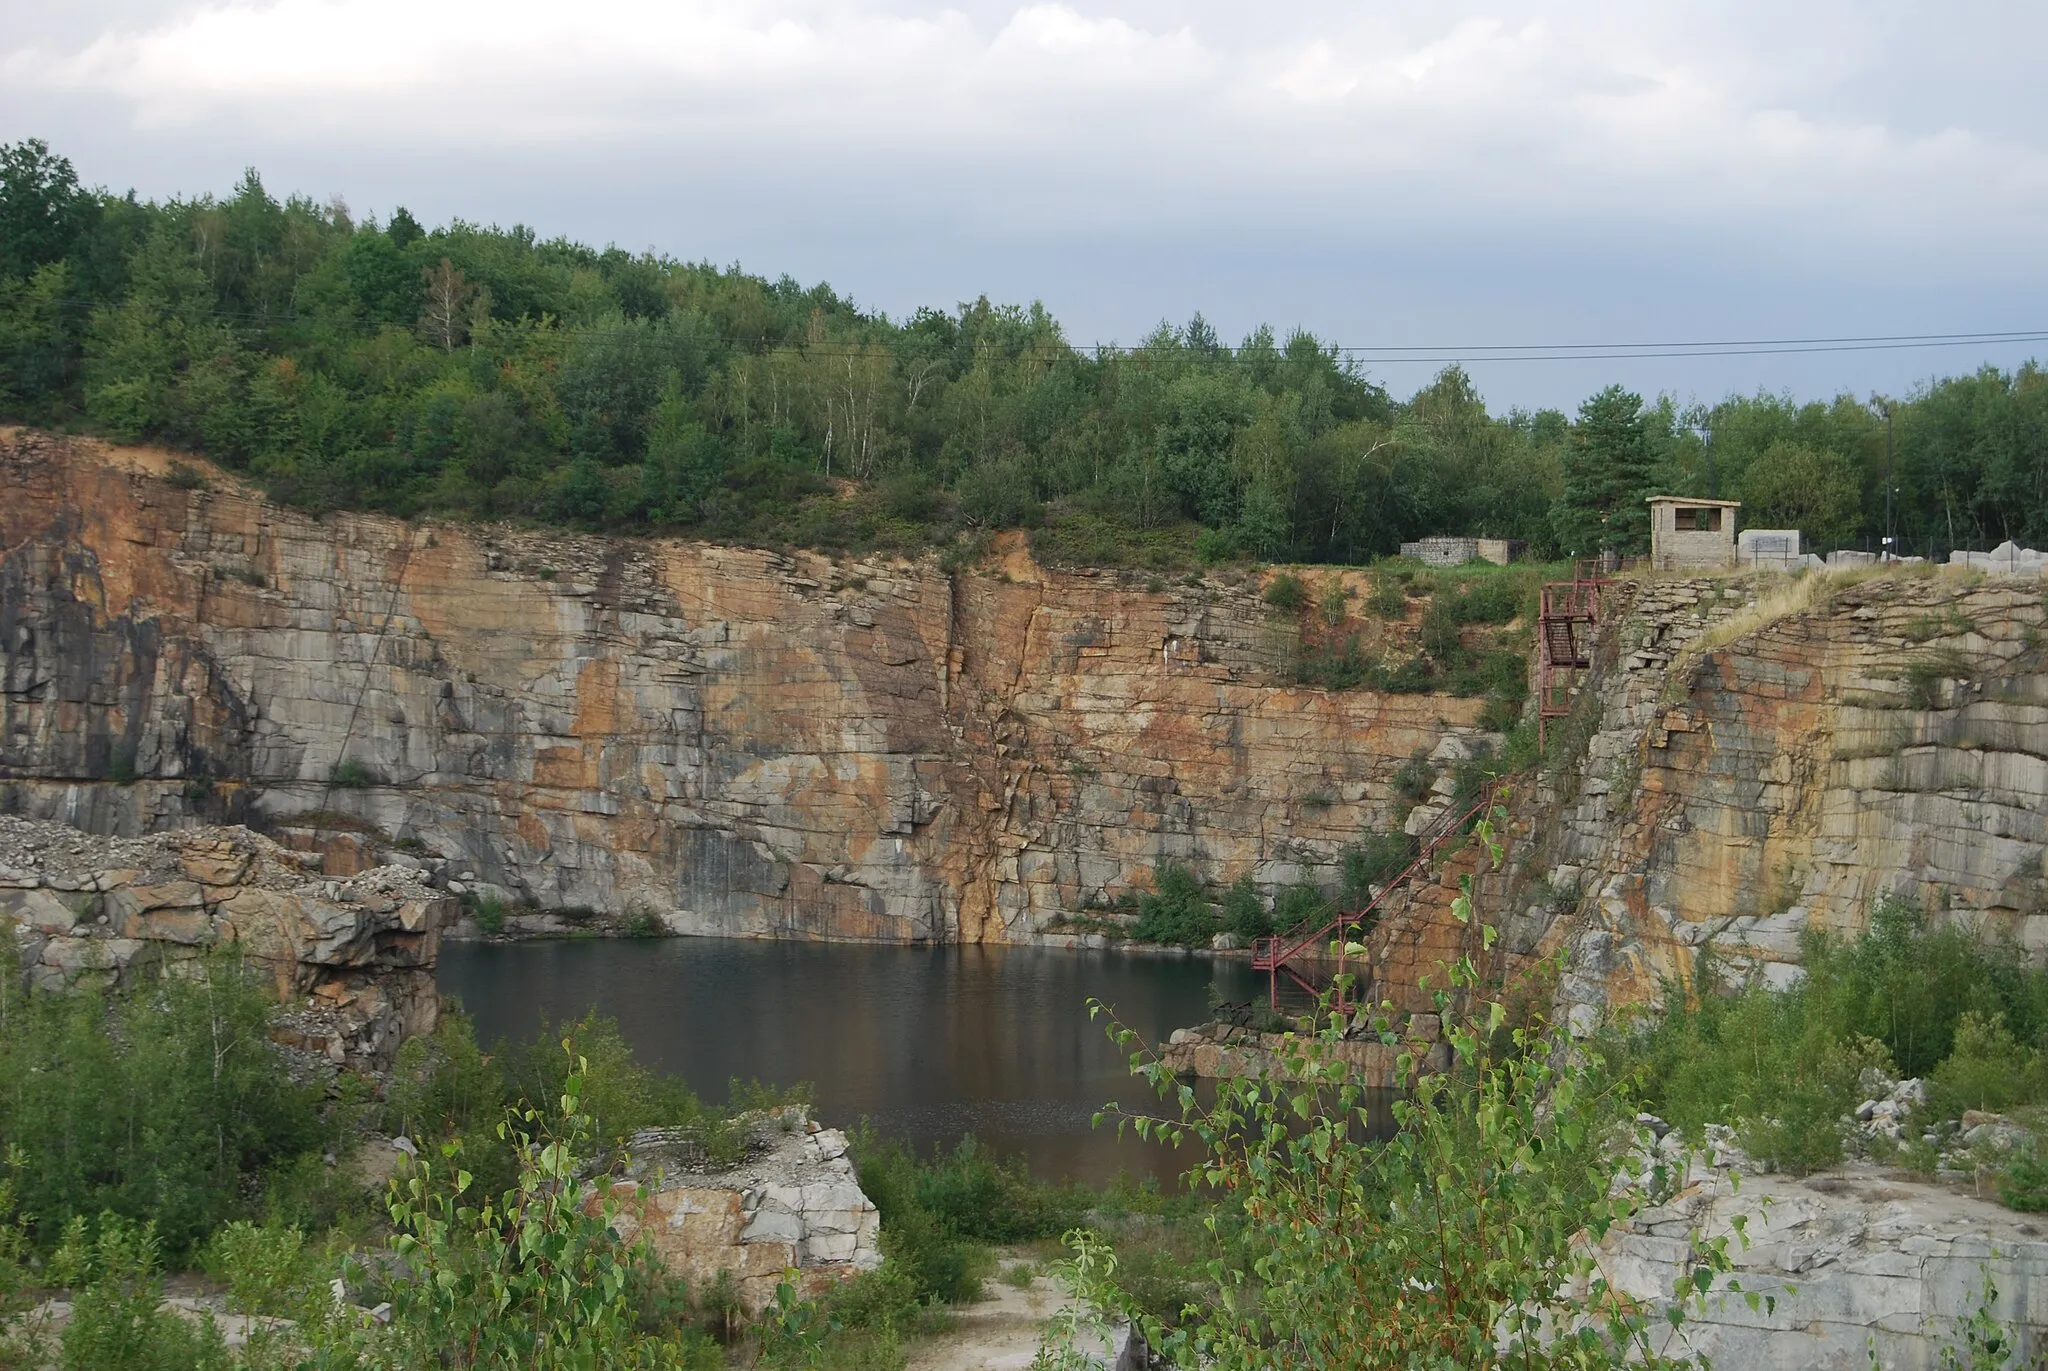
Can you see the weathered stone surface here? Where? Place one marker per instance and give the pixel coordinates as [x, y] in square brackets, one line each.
[1858, 1264]
[353, 960]
[733, 740]
[793, 1203]
[1864, 738]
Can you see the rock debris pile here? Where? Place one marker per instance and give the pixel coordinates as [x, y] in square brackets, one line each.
[353, 960]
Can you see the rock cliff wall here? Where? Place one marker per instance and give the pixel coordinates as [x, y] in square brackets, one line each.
[1766, 757]
[736, 741]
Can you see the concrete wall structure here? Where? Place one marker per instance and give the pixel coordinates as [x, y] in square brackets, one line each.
[1692, 534]
[1448, 552]
[1769, 548]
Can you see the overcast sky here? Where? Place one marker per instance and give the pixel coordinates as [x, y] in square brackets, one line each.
[1435, 174]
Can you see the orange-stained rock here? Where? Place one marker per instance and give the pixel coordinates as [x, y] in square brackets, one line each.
[738, 741]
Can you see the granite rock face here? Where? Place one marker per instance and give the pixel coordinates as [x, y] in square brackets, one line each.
[734, 741]
[1861, 1269]
[352, 960]
[795, 1204]
[1768, 758]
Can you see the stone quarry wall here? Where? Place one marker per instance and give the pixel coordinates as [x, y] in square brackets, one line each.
[352, 960]
[1769, 756]
[736, 741]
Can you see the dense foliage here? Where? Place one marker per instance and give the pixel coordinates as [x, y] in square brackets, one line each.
[481, 371]
[1459, 1241]
[1905, 998]
[163, 1105]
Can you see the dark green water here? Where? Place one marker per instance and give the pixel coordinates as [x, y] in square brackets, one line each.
[927, 1043]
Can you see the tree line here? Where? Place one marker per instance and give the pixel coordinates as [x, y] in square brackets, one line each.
[483, 372]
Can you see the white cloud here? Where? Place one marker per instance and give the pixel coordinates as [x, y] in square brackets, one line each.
[1561, 108]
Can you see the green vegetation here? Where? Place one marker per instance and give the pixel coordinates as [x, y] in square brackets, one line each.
[350, 774]
[481, 372]
[163, 1106]
[1456, 1242]
[1786, 1068]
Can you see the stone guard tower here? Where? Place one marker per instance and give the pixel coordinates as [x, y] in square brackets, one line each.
[1687, 534]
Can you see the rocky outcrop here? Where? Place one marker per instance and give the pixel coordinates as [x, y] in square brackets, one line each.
[1217, 1050]
[1769, 757]
[351, 960]
[732, 740]
[1860, 1269]
[794, 1204]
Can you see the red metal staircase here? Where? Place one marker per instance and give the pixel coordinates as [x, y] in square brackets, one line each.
[1566, 626]
[1303, 957]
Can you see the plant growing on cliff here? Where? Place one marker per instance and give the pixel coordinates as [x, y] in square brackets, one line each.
[1177, 910]
[1462, 1241]
[1285, 592]
[350, 774]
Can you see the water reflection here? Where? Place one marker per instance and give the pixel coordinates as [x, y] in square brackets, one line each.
[929, 1043]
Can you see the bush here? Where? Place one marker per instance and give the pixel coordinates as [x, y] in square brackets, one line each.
[1784, 1066]
[489, 913]
[937, 1215]
[1987, 1068]
[1463, 1239]
[1298, 908]
[118, 1322]
[1244, 912]
[1286, 592]
[1373, 860]
[350, 774]
[1387, 599]
[164, 1104]
[1176, 910]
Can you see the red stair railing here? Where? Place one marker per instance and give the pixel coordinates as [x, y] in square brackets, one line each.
[1277, 955]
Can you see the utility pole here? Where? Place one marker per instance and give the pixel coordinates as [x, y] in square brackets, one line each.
[1885, 408]
[1705, 429]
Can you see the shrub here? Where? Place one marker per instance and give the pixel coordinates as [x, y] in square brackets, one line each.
[1461, 1240]
[489, 912]
[1987, 1068]
[1299, 907]
[165, 1103]
[350, 774]
[1784, 1066]
[2023, 1185]
[535, 1277]
[1176, 910]
[1286, 592]
[1373, 860]
[184, 476]
[1386, 598]
[1244, 912]
[118, 1322]
[1334, 601]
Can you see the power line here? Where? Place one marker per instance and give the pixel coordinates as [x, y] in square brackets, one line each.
[1438, 354]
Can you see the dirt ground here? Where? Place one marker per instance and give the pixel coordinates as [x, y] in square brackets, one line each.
[1000, 1333]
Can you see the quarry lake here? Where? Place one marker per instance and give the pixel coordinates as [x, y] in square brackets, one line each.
[927, 1043]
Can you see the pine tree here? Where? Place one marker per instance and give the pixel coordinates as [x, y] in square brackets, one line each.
[1606, 477]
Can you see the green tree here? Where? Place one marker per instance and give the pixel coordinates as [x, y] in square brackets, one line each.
[1789, 485]
[1606, 477]
[42, 209]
